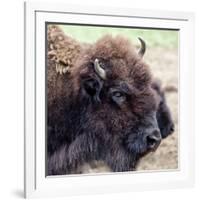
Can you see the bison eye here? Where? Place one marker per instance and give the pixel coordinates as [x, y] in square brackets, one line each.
[118, 97]
[118, 94]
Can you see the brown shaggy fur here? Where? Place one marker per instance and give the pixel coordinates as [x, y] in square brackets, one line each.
[62, 49]
[87, 122]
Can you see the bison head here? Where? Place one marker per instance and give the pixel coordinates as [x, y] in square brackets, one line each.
[114, 85]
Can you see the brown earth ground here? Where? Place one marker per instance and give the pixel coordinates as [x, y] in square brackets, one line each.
[164, 65]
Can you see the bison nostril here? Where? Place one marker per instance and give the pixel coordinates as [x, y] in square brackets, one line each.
[172, 128]
[153, 140]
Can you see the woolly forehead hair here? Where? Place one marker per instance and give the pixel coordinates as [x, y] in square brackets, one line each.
[123, 61]
[110, 47]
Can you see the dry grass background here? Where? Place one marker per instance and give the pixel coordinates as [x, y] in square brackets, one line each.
[162, 57]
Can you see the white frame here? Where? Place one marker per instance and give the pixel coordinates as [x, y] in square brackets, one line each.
[35, 183]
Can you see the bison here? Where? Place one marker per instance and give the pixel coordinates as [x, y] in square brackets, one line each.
[109, 108]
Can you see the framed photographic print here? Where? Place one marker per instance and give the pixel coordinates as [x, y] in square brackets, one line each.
[109, 100]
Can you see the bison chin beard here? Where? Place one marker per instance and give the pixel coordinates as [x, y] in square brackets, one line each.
[141, 143]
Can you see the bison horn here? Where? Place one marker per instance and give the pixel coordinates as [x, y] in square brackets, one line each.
[143, 47]
[99, 70]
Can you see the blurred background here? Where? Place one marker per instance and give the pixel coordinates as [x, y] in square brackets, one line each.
[153, 37]
[162, 57]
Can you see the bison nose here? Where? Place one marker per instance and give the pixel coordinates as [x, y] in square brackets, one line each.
[153, 139]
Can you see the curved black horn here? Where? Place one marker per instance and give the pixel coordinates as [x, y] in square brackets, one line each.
[143, 47]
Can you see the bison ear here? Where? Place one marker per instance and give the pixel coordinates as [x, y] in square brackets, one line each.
[93, 87]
